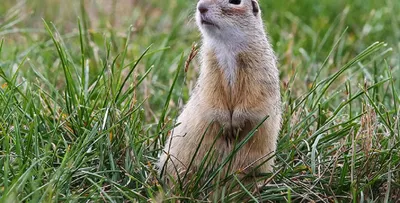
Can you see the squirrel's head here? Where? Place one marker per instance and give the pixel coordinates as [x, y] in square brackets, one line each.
[233, 20]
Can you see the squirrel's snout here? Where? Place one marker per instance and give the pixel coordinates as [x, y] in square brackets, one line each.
[203, 8]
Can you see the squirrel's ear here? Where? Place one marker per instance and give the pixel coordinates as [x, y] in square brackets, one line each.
[256, 8]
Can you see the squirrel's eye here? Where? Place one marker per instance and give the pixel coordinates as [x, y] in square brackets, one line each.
[237, 2]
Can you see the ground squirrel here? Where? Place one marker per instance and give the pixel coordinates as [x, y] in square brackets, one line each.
[237, 88]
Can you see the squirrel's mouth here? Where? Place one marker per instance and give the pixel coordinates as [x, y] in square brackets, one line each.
[205, 21]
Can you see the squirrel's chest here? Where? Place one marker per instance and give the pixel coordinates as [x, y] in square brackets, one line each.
[227, 79]
[228, 92]
[228, 66]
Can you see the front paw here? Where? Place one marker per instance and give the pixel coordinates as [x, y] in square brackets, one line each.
[222, 117]
[239, 118]
[225, 124]
[242, 118]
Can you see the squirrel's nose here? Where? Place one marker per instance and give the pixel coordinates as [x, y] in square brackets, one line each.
[202, 8]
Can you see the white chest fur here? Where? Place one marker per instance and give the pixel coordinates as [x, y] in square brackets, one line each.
[227, 61]
[226, 54]
[227, 43]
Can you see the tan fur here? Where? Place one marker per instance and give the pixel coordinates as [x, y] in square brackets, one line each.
[236, 107]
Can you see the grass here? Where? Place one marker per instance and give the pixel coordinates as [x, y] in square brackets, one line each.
[86, 103]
